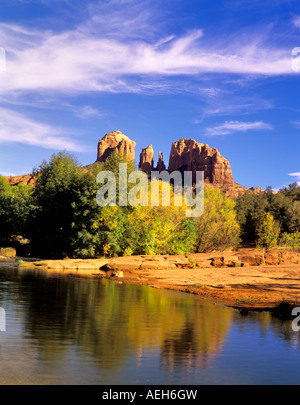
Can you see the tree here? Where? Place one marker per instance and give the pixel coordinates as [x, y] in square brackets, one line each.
[285, 210]
[65, 212]
[15, 202]
[147, 229]
[292, 191]
[268, 231]
[250, 209]
[217, 228]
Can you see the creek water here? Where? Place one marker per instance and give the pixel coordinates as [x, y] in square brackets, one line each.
[68, 329]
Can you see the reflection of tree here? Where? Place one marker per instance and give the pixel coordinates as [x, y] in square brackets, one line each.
[280, 326]
[199, 340]
[108, 322]
[270, 323]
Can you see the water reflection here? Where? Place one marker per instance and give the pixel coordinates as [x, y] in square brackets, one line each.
[67, 329]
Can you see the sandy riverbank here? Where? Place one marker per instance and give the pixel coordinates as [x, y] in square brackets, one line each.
[247, 278]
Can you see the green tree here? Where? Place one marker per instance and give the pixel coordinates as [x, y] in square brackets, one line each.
[217, 228]
[250, 209]
[268, 232]
[292, 191]
[64, 217]
[15, 203]
[285, 210]
[290, 240]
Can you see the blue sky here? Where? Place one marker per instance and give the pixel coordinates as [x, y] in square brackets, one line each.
[225, 73]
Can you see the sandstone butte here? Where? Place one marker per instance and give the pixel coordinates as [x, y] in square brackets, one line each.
[185, 155]
[117, 142]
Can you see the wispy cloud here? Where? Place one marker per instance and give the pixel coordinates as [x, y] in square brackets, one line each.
[229, 104]
[17, 128]
[229, 127]
[86, 59]
[296, 21]
[88, 111]
[296, 124]
[4, 173]
[297, 177]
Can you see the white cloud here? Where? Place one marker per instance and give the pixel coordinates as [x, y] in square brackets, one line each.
[229, 127]
[297, 177]
[79, 60]
[15, 127]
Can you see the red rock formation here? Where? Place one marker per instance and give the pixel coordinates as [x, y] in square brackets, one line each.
[147, 162]
[115, 141]
[160, 164]
[27, 179]
[189, 155]
[146, 159]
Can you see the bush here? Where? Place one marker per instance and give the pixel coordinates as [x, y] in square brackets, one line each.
[290, 240]
[268, 231]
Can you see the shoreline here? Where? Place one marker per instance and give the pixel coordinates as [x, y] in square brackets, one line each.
[246, 279]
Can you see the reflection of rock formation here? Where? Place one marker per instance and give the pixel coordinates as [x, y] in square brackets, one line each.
[115, 142]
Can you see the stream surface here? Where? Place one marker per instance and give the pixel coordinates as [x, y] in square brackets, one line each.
[68, 329]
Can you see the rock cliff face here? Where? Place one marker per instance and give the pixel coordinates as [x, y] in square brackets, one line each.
[160, 164]
[115, 141]
[27, 179]
[147, 159]
[189, 155]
